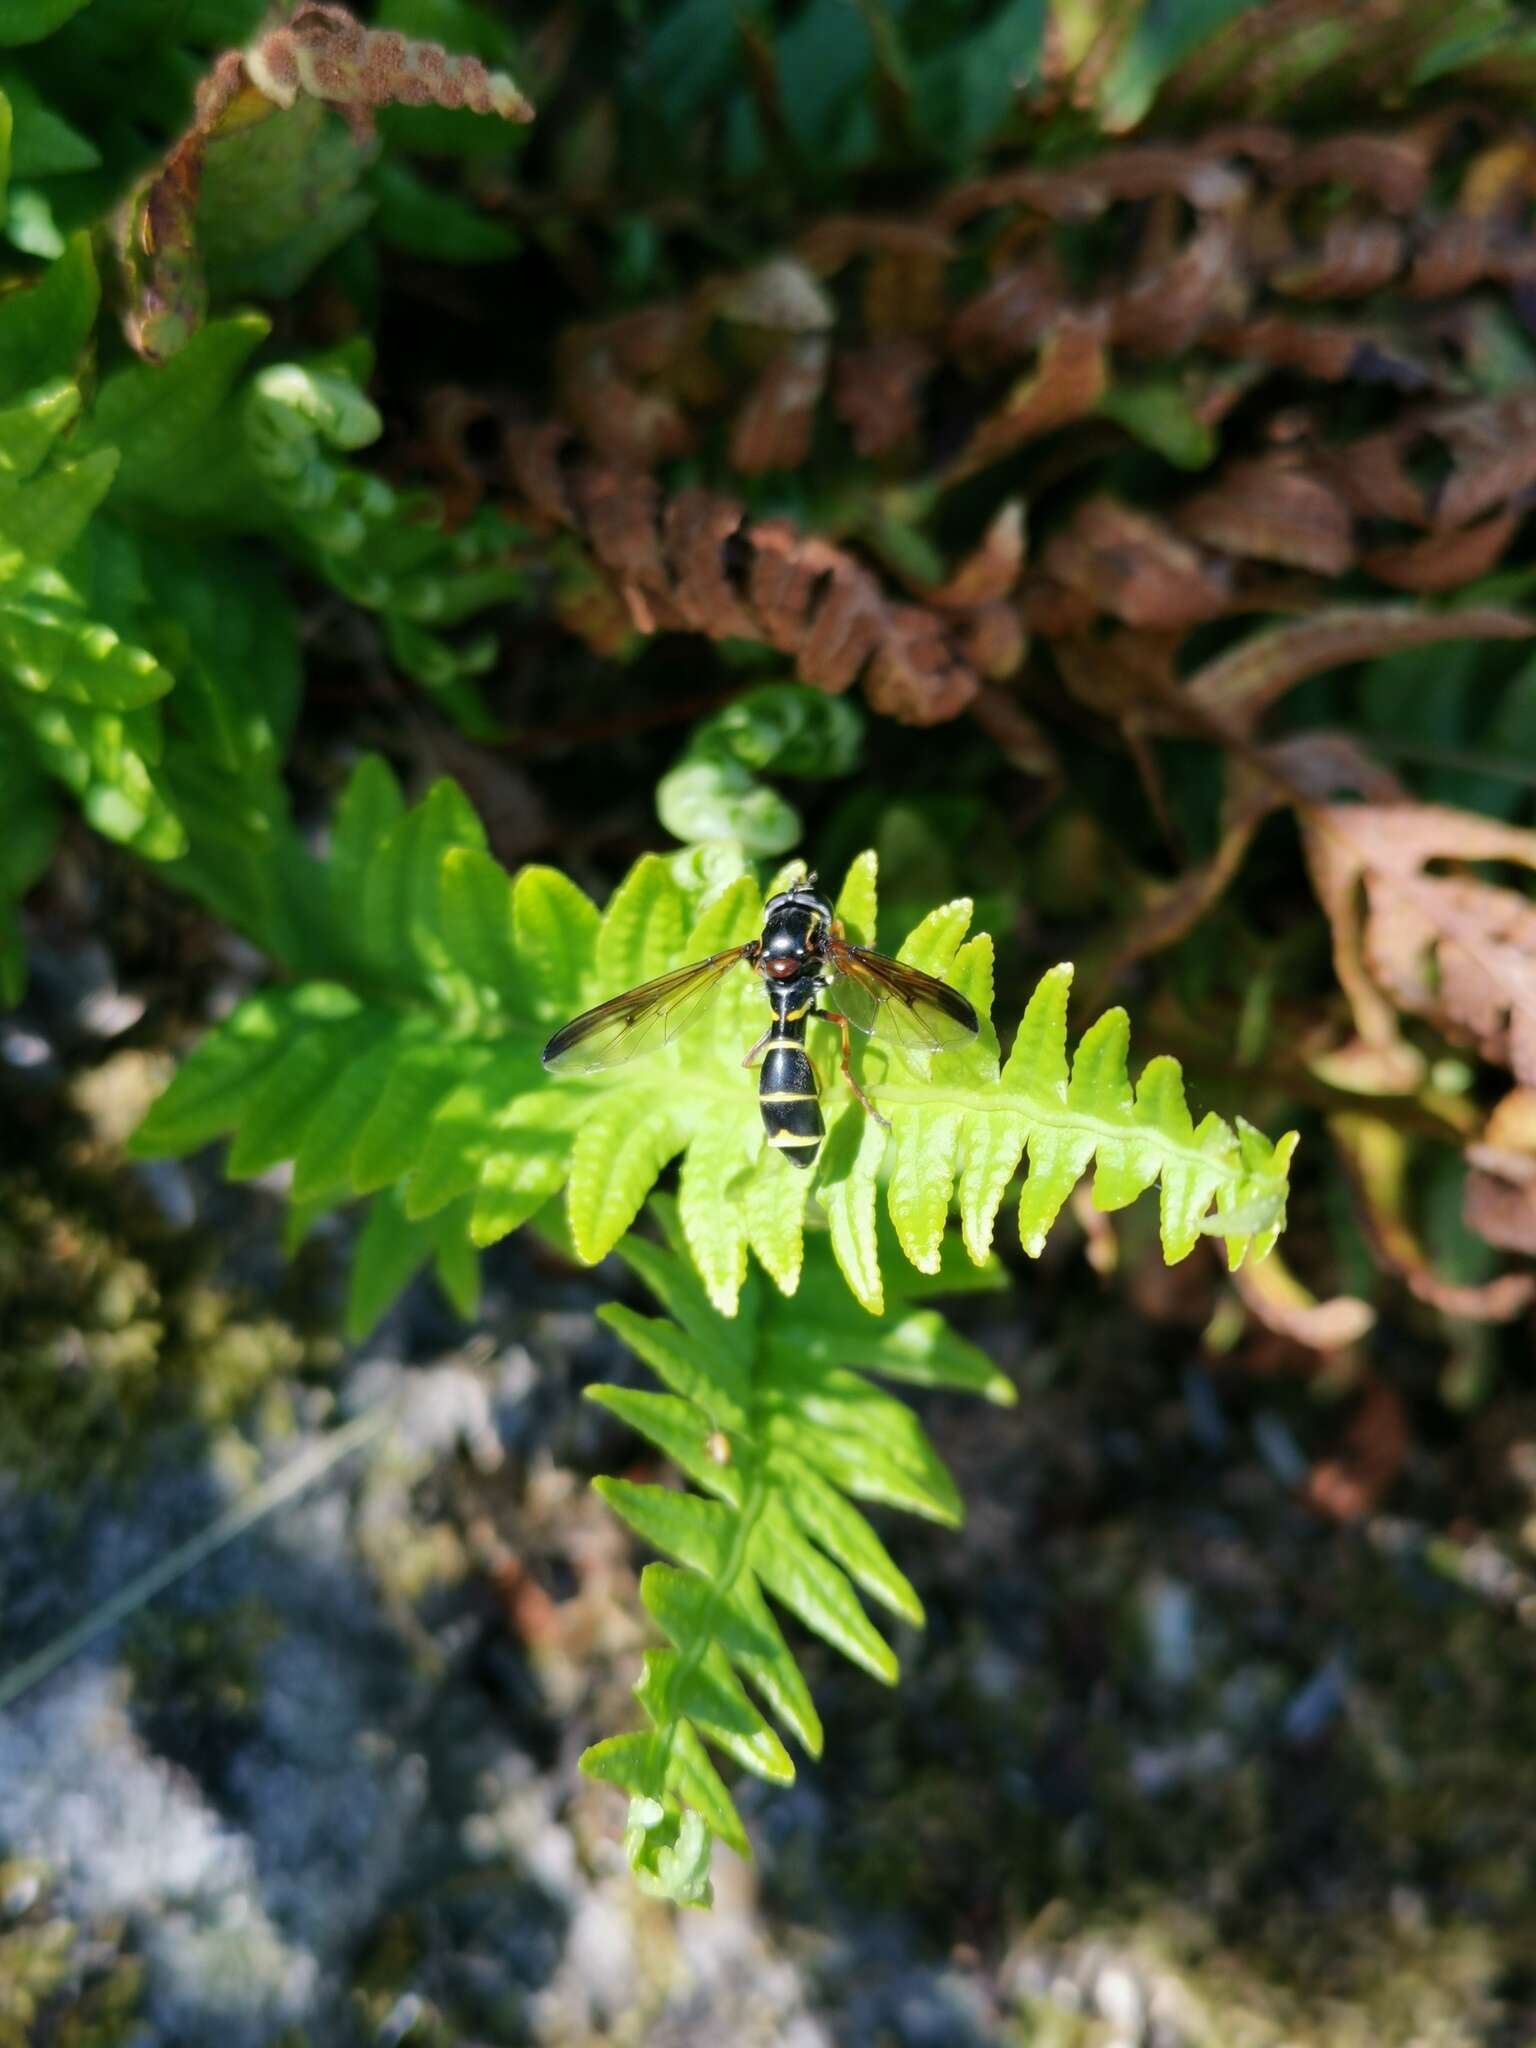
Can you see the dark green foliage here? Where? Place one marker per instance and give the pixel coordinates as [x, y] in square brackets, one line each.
[113, 594]
[841, 88]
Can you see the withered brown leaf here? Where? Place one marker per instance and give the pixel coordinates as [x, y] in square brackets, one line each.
[1276, 508]
[1451, 948]
[695, 561]
[1071, 378]
[1240, 686]
[321, 52]
[1272, 1293]
[1499, 1200]
[1134, 565]
[773, 429]
[1376, 1160]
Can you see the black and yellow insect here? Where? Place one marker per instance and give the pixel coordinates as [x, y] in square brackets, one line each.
[803, 949]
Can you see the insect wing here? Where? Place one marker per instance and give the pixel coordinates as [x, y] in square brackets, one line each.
[900, 1004]
[641, 1020]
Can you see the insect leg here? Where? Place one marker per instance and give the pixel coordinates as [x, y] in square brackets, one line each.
[836, 1017]
[752, 1055]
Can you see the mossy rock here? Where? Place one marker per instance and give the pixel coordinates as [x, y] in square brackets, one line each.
[116, 1323]
[61, 1984]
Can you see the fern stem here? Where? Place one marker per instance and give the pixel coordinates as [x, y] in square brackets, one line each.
[736, 1563]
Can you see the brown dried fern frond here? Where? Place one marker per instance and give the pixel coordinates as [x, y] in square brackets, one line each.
[695, 562]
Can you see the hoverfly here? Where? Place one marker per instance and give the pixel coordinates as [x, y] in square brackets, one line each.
[803, 949]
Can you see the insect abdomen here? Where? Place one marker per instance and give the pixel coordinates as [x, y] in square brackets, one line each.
[787, 1094]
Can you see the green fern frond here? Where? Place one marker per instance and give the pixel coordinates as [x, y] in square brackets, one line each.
[383, 549]
[962, 1127]
[92, 636]
[101, 618]
[412, 1076]
[152, 667]
[45, 325]
[769, 1417]
[78, 696]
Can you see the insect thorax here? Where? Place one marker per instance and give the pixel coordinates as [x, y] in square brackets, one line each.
[795, 929]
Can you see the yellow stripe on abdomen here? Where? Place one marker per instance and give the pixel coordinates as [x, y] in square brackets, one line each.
[789, 1098]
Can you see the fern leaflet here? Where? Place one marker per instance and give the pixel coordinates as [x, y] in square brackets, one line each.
[414, 1077]
[779, 1433]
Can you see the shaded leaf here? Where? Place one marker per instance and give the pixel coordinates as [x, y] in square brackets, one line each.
[44, 326]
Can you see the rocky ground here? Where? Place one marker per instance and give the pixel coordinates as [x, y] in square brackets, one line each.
[1176, 1763]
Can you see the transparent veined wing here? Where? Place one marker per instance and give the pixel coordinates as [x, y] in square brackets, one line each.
[641, 1020]
[902, 1005]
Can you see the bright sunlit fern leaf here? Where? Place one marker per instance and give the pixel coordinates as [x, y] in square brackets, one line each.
[963, 1126]
[412, 1076]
